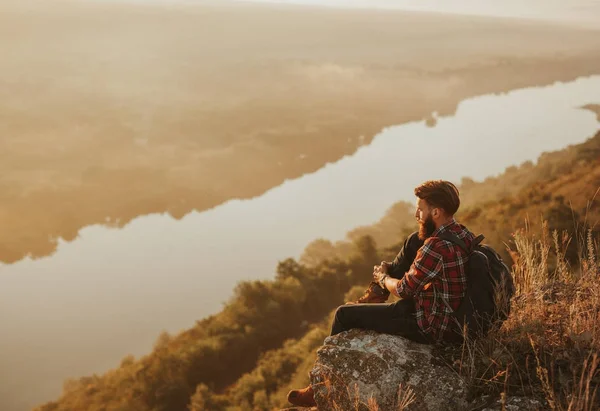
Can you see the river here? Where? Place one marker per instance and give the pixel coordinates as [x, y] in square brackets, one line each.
[111, 291]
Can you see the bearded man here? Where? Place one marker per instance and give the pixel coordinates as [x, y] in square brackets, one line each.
[428, 275]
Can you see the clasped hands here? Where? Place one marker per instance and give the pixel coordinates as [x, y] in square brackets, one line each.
[379, 271]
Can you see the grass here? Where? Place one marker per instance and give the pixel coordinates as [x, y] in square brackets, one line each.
[549, 347]
[405, 397]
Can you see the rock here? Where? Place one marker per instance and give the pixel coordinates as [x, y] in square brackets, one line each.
[517, 404]
[357, 365]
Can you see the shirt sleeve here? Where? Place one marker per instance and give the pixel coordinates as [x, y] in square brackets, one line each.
[406, 256]
[427, 265]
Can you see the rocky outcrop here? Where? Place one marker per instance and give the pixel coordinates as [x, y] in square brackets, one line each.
[517, 404]
[357, 367]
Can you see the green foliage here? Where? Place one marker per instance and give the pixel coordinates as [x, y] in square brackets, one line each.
[263, 341]
[318, 251]
[196, 367]
[275, 369]
[205, 399]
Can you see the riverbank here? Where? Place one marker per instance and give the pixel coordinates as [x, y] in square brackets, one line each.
[276, 323]
[106, 118]
[159, 274]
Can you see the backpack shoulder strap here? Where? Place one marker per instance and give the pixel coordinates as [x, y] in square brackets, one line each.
[477, 240]
[454, 240]
[459, 242]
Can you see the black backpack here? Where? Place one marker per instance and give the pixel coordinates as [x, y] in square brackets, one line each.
[490, 288]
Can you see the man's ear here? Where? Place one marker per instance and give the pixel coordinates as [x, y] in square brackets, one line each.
[435, 213]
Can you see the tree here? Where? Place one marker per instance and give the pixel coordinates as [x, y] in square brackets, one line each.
[317, 251]
[204, 399]
[289, 268]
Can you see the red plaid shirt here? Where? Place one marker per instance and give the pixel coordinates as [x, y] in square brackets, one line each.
[437, 273]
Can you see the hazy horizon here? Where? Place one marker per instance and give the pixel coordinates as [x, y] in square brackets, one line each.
[586, 12]
[112, 111]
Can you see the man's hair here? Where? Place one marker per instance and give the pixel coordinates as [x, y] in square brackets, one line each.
[440, 193]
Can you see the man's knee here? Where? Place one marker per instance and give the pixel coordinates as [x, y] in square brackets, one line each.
[339, 323]
[339, 312]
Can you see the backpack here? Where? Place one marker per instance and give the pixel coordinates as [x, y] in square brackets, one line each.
[489, 290]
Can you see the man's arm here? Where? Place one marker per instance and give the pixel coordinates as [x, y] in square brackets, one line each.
[405, 257]
[427, 265]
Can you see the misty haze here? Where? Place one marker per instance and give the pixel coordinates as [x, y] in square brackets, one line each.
[156, 154]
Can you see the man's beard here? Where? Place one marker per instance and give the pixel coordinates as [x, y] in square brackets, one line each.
[426, 228]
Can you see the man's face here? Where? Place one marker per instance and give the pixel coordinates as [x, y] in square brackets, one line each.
[424, 217]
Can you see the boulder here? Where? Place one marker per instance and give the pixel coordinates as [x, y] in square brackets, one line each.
[517, 404]
[357, 368]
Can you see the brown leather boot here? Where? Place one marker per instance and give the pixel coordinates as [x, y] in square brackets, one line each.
[373, 294]
[302, 398]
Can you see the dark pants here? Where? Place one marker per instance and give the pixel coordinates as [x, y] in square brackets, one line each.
[388, 318]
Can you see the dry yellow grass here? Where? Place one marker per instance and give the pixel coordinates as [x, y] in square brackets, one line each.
[405, 397]
[549, 348]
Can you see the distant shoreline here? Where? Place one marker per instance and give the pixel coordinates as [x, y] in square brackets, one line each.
[239, 98]
[111, 112]
[594, 108]
[574, 22]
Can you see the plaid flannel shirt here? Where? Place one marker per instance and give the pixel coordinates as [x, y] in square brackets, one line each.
[437, 273]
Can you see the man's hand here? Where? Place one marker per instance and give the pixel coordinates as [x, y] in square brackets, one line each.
[384, 267]
[380, 270]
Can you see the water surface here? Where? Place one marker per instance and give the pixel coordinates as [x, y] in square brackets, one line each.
[111, 291]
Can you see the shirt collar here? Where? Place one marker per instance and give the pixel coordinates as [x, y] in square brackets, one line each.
[443, 227]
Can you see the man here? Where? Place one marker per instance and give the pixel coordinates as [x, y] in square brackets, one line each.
[428, 275]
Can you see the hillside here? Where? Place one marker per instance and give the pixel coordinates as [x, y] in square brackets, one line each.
[559, 184]
[593, 107]
[249, 354]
